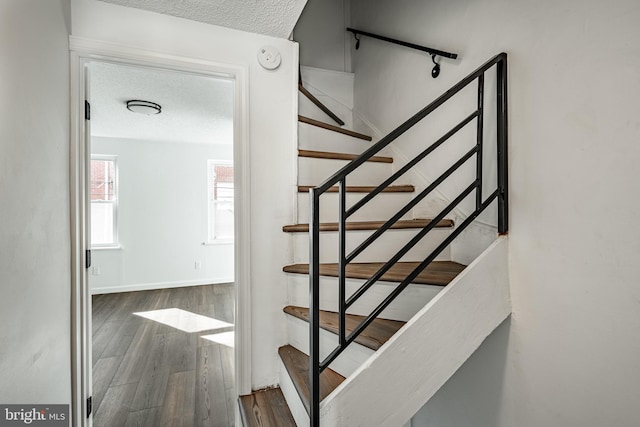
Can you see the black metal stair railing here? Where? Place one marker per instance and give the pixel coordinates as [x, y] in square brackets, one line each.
[316, 366]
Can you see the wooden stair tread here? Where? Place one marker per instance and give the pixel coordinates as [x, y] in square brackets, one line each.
[265, 408]
[340, 156]
[363, 189]
[438, 273]
[297, 364]
[376, 334]
[333, 128]
[368, 225]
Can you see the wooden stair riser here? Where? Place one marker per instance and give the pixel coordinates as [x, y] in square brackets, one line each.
[314, 138]
[346, 364]
[383, 248]
[294, 401]
[383, 206]
[312, 171]
[410, 301]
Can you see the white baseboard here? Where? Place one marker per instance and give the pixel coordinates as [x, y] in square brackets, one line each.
[158, 285]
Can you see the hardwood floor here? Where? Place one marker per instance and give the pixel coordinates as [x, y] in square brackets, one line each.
[149, 373]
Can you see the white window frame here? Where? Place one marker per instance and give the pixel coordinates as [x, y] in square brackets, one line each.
[214, 240]
[114, 202]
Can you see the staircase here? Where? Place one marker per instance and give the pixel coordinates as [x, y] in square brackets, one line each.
[429, 312]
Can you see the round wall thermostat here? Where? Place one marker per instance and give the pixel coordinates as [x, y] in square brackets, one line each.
[269, 57]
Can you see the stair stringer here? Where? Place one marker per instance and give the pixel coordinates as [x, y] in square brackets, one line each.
[294, 401]
[412, 366]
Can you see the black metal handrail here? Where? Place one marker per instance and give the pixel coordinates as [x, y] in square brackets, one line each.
[316, 366]
[431, 51]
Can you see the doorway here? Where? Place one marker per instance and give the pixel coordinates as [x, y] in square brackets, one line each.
[111, 284]
[161, 230]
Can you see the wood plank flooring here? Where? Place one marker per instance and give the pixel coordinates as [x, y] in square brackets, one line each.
[147, 373]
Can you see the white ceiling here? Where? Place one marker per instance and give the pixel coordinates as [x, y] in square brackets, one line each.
[270, 17]
[194, 108]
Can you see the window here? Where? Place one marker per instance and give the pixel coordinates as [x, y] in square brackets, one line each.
[220, 189]
[104, 198]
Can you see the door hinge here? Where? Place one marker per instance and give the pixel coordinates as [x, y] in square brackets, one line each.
[87, 110]
[87, 258]
[89, 406]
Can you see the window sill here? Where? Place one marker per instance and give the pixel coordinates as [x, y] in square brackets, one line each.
[218, 242]
[107, 248]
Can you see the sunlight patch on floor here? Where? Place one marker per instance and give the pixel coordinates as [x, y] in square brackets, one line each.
[224, 338]
[184, 320]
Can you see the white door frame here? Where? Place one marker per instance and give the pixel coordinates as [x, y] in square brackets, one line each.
[84, 51]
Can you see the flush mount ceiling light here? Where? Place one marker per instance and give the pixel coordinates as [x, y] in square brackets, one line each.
[143, 107]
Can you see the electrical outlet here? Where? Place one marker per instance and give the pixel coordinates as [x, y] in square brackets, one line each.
[95, 270]
[197, 265]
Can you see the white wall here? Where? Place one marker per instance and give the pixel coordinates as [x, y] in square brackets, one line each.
[162, 218]
[35, 346]
[569, 354]
[324, 43]
[272, 129]
[393, 83]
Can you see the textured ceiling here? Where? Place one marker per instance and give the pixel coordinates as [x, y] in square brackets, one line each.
[194, 108]
[270, 17]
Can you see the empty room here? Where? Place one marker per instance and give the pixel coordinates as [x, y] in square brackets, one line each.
[162, 248]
